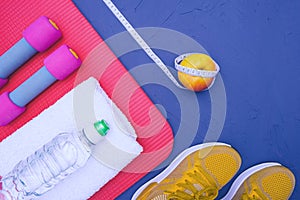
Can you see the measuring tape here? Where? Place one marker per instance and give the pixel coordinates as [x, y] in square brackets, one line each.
[154, 57]
[195, 72]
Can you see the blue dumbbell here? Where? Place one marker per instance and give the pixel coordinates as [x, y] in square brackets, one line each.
[37, 37]
[58, 65]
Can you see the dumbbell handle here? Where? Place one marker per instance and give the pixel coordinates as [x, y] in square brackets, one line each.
[13, 58]
[32, 87]
[58, 65]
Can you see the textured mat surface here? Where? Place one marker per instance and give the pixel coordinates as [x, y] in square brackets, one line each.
[155, 134]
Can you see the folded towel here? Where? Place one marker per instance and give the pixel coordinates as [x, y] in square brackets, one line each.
[85, 103]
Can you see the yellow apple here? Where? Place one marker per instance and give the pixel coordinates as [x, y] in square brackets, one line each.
[201, 62]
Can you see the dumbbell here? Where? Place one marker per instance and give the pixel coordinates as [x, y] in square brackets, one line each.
[37, 37]
[57, 66]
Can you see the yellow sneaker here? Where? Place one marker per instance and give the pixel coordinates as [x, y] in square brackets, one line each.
[263, 182]
[197, 173]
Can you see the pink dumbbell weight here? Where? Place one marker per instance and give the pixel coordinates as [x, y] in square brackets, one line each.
[37, 37]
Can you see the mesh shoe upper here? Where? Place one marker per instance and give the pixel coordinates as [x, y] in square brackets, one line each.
[198, 176]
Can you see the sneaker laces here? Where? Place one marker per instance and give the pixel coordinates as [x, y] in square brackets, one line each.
[254, 194]
[202, 187]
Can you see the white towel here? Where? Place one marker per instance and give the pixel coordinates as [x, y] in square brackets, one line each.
[70, 113]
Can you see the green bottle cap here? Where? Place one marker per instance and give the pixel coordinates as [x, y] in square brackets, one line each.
[102, 127]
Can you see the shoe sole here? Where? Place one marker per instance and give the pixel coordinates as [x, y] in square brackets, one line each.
[243, 176]
[175, 163]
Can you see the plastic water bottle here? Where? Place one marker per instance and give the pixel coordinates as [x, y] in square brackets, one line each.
[57, 159]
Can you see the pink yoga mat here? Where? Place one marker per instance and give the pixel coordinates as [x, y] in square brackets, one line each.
[79, 34]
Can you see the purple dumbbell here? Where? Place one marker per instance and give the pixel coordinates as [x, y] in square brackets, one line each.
[57, 66]
[37, 37]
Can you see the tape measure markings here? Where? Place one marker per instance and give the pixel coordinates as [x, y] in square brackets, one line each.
[195, 72]
[141, 41]
[136, 36]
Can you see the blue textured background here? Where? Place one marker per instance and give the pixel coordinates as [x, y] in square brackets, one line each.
[256, 43]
